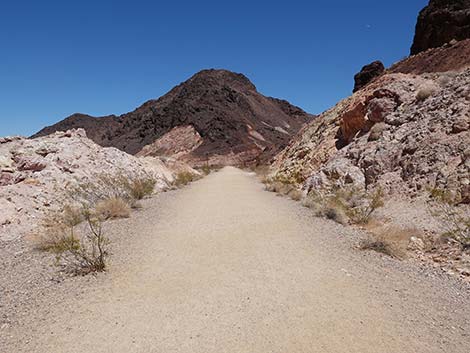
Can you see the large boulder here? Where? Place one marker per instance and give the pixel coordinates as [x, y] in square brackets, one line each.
[441, 22]
[367, 74]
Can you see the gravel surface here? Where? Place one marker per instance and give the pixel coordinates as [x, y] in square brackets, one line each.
[222, 266]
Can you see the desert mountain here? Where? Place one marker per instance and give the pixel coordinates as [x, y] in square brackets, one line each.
[220, 115]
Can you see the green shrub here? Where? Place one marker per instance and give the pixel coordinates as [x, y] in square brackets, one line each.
[82, 252]
[184, 178]
[455, 219]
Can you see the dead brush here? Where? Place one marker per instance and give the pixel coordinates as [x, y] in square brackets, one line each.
[113, 208]
[141, 187]
[108, 186]
[390, 239]
[425, 92]
[377, 245]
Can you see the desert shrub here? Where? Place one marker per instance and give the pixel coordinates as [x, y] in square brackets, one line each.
[184, 178]
[141, 187]
[378, 245]
[82, 252]
[362, 213]
[206, 170]
[109, 186]
[335, 214]
[310, 202]
[344, 204]
[295, 195]
[455, 220]
[113, 207]
[425, 92]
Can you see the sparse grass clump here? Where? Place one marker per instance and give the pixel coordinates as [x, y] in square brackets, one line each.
[425, 92]
[184, 178]
[110, 186]
[206, 169]
[112, 208]
[377, 245]
[141, 187]
[295, 195]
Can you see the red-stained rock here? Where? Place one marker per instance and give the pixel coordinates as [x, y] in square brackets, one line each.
[34, 164]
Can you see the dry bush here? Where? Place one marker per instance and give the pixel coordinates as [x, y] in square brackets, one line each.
[310, 202]
[206, 169]
[141, 187]
[114, 207]
[455, 219]
[295, 195]
[82, 252]
[113, 186]
[334, 213]
[425, 92]
[396, 238]
[184, 178]
[378, 245]
[344, 204]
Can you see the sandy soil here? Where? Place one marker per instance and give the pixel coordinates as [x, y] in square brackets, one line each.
[222, 266]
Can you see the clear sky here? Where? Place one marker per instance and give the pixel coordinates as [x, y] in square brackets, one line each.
[108, 57]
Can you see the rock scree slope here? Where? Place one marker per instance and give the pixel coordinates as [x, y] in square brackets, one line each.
[222, 266]
[229, 116]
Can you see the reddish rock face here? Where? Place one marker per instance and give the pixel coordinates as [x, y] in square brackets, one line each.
[441, 22]
[367, 74]
[223, 107]
[29, 163]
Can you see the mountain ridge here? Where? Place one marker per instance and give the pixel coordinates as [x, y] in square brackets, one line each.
[223, 107]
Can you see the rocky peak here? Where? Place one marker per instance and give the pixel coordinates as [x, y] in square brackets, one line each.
[441, 22]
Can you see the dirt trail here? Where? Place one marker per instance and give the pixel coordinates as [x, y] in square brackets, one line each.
[222, 266]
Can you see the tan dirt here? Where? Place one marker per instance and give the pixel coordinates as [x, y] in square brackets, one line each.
[223, 266]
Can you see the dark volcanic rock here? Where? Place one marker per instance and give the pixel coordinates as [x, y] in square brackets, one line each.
[223, 107]
[367, 74]
[441, 22]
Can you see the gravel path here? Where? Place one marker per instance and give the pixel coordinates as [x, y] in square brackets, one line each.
[222, 266]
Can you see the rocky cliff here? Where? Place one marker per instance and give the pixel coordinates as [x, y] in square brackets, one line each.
[403, 132]
[441, 22]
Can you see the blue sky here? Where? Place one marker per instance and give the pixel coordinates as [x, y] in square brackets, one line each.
[108, 57]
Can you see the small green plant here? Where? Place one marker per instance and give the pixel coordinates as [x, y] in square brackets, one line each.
[362, 213]
[82, 252]
[183, 179]
[343, 204]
